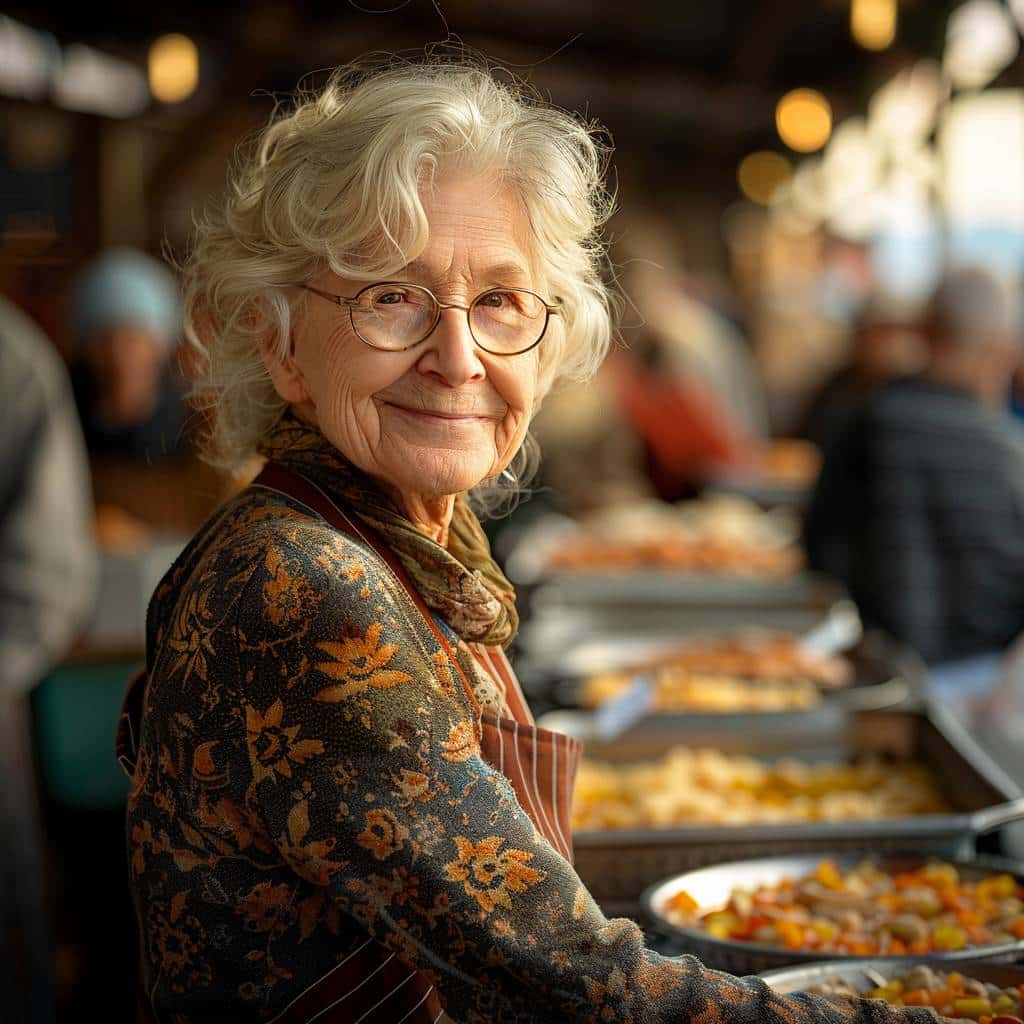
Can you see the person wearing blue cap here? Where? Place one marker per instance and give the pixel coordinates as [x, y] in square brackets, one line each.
[125, 320]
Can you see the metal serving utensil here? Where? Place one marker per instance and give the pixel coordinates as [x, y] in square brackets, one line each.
[838, 632]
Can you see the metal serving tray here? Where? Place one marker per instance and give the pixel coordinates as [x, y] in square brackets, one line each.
[527, 560]
[884, 675]
[711, 888]
[785, 980]
[617, 865]
[563, 638]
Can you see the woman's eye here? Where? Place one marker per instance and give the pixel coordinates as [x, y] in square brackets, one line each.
[390, 298]
[495, 300]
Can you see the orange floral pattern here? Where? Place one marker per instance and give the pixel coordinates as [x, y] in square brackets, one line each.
[265, 905]
[274, 748]
[461, 743]
[489, 874]
[383, 835]
[287, 594]
[359, 661]
[308, 777]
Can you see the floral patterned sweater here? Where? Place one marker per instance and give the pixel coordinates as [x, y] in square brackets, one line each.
[308, 776]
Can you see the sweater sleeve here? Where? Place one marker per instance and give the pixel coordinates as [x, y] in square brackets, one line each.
[367, 777]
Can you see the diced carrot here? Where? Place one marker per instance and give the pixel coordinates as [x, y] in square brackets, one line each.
[897, 948]
[1017, 927]
[792, 934]
[942, 997]
[917, 997]
[970, 917]
[951, 898]
[683, 901]
[868, 947]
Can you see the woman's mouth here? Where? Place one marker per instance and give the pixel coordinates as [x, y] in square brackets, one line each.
[437, 416]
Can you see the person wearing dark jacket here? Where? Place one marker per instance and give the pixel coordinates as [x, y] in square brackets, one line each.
[919, 509]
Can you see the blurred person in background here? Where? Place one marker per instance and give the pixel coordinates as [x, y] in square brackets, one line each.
[679, 401]
[126, 325]
[47, 579]
[887, 345]
[130, 391]
[919, 509]
[328, 817]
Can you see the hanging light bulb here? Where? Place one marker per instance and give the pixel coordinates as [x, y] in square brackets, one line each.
[803, 118]
[173, 68]
[873, 23]
[760, 175]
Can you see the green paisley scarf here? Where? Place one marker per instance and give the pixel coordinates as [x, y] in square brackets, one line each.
[462, 582]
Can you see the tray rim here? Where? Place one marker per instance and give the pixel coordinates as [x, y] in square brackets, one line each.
[803, 588]
[883, 965]
[924, 826]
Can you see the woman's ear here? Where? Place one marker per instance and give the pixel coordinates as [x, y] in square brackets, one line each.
[285, 372]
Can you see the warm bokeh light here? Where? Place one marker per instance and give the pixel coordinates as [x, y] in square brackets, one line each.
[873, 23]
[981, 40]
[804, 120]
[760, 175]
[902, 114]
[173, 68]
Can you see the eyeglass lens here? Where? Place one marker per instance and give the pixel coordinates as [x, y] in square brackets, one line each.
[396, 316]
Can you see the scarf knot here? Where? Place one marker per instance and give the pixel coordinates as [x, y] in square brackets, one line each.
[462, 582]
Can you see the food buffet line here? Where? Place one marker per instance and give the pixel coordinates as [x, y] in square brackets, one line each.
[765, 784]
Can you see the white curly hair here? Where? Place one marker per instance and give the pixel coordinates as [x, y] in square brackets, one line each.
[334, 181]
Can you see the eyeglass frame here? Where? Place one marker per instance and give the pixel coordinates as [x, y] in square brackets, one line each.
[550, 309]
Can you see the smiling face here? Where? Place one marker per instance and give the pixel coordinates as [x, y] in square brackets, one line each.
[443, 415]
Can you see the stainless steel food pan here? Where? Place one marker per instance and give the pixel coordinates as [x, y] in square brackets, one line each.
[711, 888]
[565, 640]
[618, 864]
[628, 615]
[883, 675]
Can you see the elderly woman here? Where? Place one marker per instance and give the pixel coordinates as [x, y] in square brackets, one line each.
[341, 809]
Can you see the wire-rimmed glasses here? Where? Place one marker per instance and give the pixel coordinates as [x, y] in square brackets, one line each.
[394, 316]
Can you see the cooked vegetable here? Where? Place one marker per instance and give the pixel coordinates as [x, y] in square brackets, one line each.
[700, 787]
[870, 912]
[749, 670]
[950, 995]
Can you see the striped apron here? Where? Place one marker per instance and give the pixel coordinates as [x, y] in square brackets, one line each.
[372, 985]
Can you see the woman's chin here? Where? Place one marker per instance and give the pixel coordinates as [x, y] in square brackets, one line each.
[442, 473]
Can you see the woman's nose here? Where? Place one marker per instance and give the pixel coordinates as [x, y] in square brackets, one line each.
[451, 352]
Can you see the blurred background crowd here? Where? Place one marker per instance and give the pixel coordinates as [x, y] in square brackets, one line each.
[819, 241]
